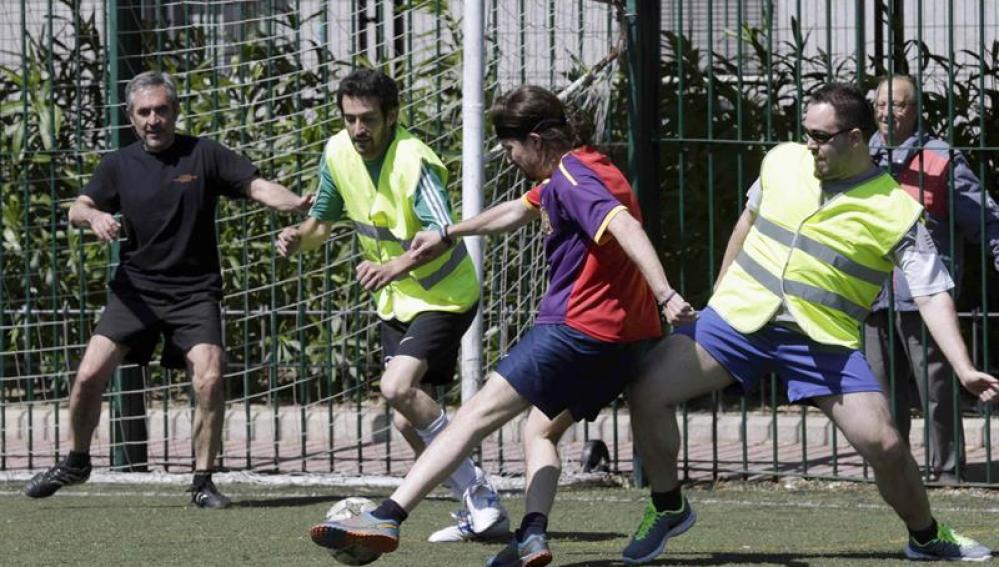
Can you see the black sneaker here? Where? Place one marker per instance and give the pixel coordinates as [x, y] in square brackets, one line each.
[207, 496]
[45, 484]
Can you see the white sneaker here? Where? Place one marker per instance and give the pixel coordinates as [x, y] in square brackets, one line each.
[483, 505]
[462, 530]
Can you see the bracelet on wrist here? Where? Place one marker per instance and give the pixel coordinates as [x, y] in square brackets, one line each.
[662, 304]
[445, 237]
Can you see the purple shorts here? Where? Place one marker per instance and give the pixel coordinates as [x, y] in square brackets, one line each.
[808, 369]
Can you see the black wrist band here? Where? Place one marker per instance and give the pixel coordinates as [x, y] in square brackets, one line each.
[662, 304]
[445, 238]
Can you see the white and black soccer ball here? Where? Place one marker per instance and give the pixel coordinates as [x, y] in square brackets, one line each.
[348, 508]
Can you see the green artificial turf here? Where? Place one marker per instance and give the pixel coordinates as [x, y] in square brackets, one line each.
[739, 524]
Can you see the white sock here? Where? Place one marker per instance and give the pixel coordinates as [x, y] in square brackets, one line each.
[466, 474]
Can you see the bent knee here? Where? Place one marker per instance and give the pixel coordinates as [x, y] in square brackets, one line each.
[885, 450]
[207, 384]
[394, 390]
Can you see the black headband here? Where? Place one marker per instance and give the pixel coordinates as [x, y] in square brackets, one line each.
[504, 131]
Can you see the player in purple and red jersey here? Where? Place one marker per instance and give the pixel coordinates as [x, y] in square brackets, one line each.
[598, 313]
[594, 287]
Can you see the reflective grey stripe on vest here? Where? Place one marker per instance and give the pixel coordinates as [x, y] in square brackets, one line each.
[820, 251]
[458, 254]
[802, 290]
[383, 234]
[380, 233]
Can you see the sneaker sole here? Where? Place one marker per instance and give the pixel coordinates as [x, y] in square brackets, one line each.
[493, 524]
[338, 539]
[539, 559]
[677, 530]
[492, 535]
[911, 553]
[211, 507]
[47, 493]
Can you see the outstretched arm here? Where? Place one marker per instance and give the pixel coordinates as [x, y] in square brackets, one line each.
[632, 238]
[84, 212]
[940, 316]
[507, 216]
[307, 236]
[277, 196]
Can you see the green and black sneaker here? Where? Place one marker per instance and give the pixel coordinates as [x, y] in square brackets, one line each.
[948, 546]
[657, 527]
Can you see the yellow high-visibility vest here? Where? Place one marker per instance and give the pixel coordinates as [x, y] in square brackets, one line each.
[386, 221]
[826, 261]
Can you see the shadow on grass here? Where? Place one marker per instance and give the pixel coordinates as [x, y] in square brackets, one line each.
[585, 536]
[64, 507]
[788, 559]
[284, 501]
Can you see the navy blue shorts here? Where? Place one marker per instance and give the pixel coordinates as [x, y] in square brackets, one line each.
[808, 369]
[558, 368]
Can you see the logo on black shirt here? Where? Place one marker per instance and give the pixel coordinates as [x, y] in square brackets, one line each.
[185, 178]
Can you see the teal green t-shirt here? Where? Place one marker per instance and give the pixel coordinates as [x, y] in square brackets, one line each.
[433, 207]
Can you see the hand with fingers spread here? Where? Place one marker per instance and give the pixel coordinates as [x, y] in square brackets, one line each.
[288, 241]
[305, 203]
[983, 385]
[373, 277]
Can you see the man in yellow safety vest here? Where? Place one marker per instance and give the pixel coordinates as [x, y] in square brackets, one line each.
[391, 185]
[822, 230]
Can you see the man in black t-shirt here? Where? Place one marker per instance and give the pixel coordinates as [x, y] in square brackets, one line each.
[168, 283]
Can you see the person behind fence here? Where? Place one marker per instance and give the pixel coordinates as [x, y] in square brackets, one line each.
[924, 165]
[391, 185]
[168, 283]
[605, 294]
[822, 229]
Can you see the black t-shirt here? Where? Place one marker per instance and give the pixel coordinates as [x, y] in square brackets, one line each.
[168, 202]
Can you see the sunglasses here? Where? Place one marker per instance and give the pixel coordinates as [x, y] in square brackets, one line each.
[820, 137]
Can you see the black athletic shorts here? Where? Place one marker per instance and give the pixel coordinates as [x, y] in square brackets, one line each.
[138, 319]
[433, 336]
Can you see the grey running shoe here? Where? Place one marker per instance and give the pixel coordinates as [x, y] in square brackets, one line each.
[532, 552]
[656, 528]
[365, 530]
[45, 484]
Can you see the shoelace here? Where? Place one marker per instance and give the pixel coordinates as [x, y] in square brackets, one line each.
[947, 535]
[648, 520]
[464, 521]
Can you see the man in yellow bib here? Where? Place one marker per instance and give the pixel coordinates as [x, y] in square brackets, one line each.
[822, 230]
[391, 185]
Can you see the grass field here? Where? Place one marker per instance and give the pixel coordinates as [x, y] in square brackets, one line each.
[801, 524]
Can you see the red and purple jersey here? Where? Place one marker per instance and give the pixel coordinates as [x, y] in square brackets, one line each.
[594, 287]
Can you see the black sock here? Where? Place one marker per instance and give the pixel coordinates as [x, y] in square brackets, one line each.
[533, 523]
[78, 460]
[925, 535]
[667, 501]
[390, 510]
[201, 478]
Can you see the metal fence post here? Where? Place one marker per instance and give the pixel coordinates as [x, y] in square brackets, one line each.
[129, 437]
[643, 20]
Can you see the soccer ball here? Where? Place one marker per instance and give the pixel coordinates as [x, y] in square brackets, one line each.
[348, 508]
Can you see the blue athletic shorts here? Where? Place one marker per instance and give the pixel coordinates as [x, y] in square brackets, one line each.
[556, 367]
[808, 369]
